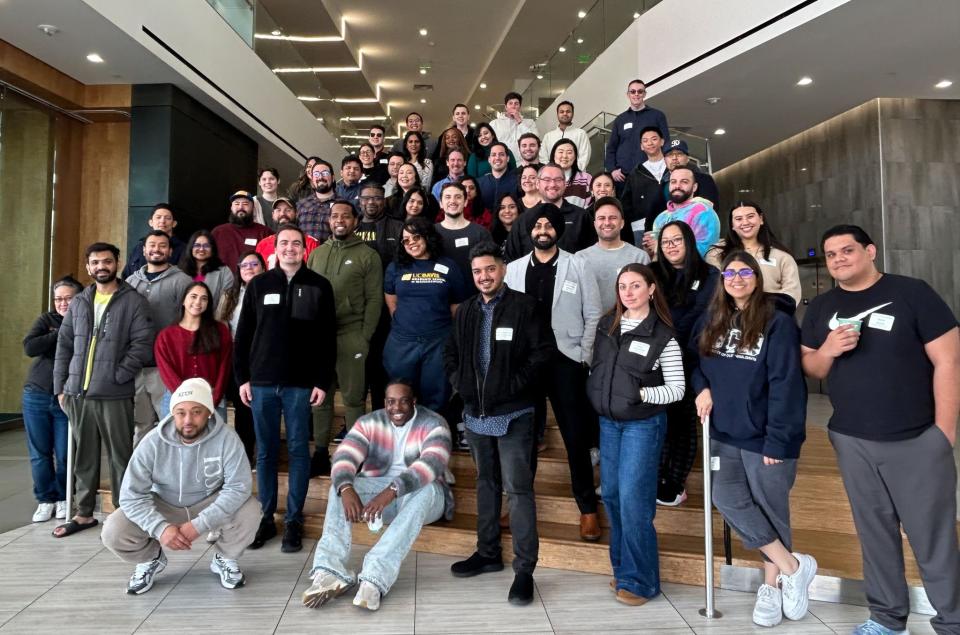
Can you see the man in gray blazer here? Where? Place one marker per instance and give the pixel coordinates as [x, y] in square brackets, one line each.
[570, 301]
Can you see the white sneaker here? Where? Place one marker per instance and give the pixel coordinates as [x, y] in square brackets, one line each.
[61, 509]
[768, 611]
[325, 587]
[796, 587]
[142, 579]
[368, 596]
[595, 456]
[213, 535]
[44, 512]
[449, 478]
[230, 574]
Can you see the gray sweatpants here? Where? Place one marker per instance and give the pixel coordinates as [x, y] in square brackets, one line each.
[910, 483]
[754, 498]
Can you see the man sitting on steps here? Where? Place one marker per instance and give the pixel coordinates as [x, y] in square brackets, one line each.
[403, 449]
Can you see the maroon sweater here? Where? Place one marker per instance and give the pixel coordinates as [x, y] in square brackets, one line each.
[176, 363]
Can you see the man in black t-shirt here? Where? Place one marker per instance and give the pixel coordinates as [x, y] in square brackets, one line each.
[889, 346]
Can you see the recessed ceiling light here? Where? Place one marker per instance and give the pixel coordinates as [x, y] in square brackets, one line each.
[48, 29]
[562, 49]
[943, 83]
[803, 169]
[275, 32]
[483, 85]
[476, 106]
[539, 76]
[713, 101]
[804, 81]
[423, 32]
[422, 100]
[423, 71]
[581, 14]
[95, 58]
[719, 131]
[636, 15]
[579, 40]
[744, 191]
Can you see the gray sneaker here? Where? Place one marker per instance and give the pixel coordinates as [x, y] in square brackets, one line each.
[768, 611]
[230, 574]
[368, 597]
[142, 579]
[875, 628]
[325, 587]
[796, 588]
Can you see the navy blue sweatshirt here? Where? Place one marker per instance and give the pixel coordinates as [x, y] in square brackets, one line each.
[759, 395]
[623, 147]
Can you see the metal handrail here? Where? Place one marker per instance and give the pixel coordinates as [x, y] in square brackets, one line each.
[709, 611]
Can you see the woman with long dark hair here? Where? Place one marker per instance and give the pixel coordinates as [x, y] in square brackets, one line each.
[508, 211]
[637, 369]
[478, 164]
[415, 152]
[303, 186]
[202, 263]
[422, 289]
[748, 230]
[577, 191]
[451, 139]
[408, 178]
[687, 282]
[750, 382]
[196, 346]
[416, 202]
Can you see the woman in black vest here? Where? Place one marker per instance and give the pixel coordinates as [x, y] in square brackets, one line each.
[637, 369]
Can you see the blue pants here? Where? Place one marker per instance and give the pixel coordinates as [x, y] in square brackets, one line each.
[629, 461]
[419, 360]
[269, 402]
[46, 426]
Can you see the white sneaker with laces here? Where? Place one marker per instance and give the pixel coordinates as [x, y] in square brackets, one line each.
[796, 588]
[44, 512]
[230, 574]
[368, 596]
[768, 611]
[325, 587]
[61, 509]
[143, 576]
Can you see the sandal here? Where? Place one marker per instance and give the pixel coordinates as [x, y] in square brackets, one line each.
[73, 527]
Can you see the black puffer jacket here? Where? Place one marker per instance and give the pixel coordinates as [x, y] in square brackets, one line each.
[622, 364]
[124, 345]
[41, 344]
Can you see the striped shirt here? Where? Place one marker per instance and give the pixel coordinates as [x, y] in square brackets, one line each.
[671, 364]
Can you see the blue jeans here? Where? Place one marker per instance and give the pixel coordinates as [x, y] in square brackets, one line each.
[165, 406]
[629, 461]
[269, 402]
[420, 360]
[406, 516]
[46, 426]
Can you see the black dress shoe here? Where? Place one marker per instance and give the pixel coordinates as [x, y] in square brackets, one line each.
[521, 591]
[292, 537]
[267, 530]
[320, 463]
[475, 565]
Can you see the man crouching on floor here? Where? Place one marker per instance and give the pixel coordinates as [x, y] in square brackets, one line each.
[404, 450]
[188, 476]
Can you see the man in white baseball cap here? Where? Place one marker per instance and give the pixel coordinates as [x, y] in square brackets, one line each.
[188, 476]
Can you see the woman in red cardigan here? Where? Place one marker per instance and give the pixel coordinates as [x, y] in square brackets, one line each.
[197, 346]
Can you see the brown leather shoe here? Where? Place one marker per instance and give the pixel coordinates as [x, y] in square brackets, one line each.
[589, 527]
[629, 598]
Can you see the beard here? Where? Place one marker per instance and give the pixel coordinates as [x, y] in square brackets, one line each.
[323, 188]
[243, 220]
[104, 277]
[679, 196]
[544, 241]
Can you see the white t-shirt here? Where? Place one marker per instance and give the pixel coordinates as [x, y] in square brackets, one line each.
[656, 167]
[399, 465]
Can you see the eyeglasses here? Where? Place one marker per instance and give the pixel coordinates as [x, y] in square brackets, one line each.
[202, 246]
[367, 199]
[323, 173]
[636, 91]
[409, 241]
[559, 179]
[672, 242]
[249, 265]
[61, 300]
[730, 274]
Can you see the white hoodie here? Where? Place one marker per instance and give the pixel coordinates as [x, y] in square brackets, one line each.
[184, 474]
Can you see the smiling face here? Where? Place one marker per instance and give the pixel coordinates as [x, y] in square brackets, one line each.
[400, 404]
[156, 249]
[608, 221]
[528, 180]
[564, 155]
[508, 211]
[268, 182]
[451, 138]
[366, 156]
[551, 184]
[488, 275]
[290, 247]
[322, 178]
[529, 149]
[393, 165]
[543, 234]
[414, 245]
[350, 172]
[202, 249]
[415, 204]
[739, 281]
[847, 260]
[636, 92]
[102, 266]
[682, 185]
[456, 164]
[284, 213]
[452, 201]
[651, 143]
[674, 249]
[342, 220]
[162, 220]
[196, 301]
[376, 138]
[634, 291]
[565, 114]
[406, 176]
[372, 202]
[414, 123]
[249, 268]
[461, 116]
[484, 136]
[497, 159]
[62, 296]
[413, 145]
[746, 222]
[602, 186]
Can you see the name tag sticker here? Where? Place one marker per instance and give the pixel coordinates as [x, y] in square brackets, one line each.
[441, 268]
[271, 298]
[772, 262]
[714, 463]
[695, 285]
[880, 321]
[637, 225]
[627, 126]
[569, 286]
[250, 241]
[640, 348]
[505, 334]
[461, 242]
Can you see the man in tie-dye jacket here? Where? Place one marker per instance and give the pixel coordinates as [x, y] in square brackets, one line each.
[401, 454]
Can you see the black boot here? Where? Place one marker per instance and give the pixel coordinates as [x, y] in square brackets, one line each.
[475, 565]
[267, 530]
[521, 591]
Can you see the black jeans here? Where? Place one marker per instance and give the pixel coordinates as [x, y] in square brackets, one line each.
[376, 375]
[504, 464]
[565, 384]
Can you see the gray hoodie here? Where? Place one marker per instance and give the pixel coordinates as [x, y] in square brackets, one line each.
[183, 474]
[163, 293]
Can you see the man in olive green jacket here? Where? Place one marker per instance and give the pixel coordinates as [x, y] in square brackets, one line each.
[356, 274]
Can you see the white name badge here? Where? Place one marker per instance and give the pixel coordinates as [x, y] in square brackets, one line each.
[441, 268]
[772, 262]
[461, 242]
[640, 348]
[880, 321]
[627, 126]
[271, 298]
[505, 334]
[569, 286]
[695, 285]
[637, 225]
[384, 161]
[250, 241]
[714, 463]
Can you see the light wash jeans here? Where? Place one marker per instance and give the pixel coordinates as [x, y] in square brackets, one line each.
[405, 516]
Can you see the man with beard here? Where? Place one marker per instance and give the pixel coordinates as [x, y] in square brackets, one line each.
[684, 206]
[566, 130]
[241, 234]
[678, 156]
[313, 212]
[529, 152]
[569, 301]
[94, 375]
[459, 235]
[577, 232]
[356, 276]
[163, 285]
[284, 213]
[161, 218]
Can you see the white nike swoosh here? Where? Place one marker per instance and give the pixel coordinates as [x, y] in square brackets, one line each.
[834, 323]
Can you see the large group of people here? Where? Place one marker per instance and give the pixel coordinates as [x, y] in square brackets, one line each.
[460, 283]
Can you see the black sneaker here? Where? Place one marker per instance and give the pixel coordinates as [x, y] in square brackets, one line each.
[267, 530]
[340, 436]
[521, 591]
[462, 443]
[320, 463]
[292, 537]
[475, 565]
